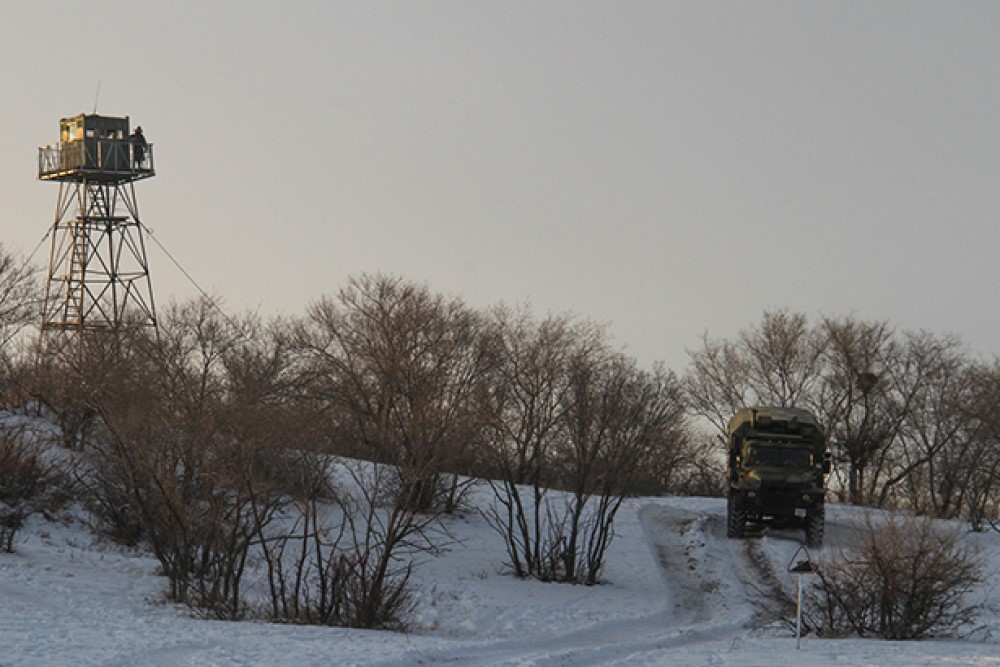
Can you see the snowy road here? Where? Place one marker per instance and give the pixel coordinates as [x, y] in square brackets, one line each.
[692, 558]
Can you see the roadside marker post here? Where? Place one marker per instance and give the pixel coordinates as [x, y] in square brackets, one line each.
[799, 566]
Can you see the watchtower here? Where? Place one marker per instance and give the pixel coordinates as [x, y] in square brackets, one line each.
[98, 273]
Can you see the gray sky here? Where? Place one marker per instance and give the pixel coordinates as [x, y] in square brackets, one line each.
[669, 168]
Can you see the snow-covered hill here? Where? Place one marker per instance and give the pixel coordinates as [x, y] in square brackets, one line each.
[674, 596]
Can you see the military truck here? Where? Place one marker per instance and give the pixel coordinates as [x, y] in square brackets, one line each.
[777, 464]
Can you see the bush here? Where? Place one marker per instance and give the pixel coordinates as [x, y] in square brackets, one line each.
[28, 482]
[907, 577]
[348, 563]
[196, 491]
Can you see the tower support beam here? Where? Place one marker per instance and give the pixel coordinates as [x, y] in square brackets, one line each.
[98, 277]
[98, 270]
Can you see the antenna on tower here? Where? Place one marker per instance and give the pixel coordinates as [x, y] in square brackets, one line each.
[97, 96]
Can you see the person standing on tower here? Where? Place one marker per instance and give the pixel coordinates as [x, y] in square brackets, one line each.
[138, 146]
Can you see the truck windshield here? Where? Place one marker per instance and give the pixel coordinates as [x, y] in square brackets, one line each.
[780, 456]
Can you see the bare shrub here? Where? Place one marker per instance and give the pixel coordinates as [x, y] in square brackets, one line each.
[60, 384]
[29, 482]
[17, 368]
[304, 583]
[191, 498]
[76, 372]
[907, 577]
[701, 471]
[382, 543]
[194, 435]
[348, 563]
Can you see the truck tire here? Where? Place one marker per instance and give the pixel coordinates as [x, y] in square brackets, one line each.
[815, 526]
[736, 517]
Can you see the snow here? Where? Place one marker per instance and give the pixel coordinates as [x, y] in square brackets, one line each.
[674, 595]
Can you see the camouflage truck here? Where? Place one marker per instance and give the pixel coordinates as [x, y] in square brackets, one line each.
[777, 464]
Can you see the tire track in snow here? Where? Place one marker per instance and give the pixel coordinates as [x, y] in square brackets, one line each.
[703, 569]
[702, 572]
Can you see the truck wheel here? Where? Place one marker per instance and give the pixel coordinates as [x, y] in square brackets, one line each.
[815, 525]
[736, 517]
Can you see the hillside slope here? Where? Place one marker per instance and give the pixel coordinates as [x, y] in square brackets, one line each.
[674, 596]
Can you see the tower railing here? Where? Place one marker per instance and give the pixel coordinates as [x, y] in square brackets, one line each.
[95, 159]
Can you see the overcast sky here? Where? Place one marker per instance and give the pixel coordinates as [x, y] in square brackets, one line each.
[669, 168]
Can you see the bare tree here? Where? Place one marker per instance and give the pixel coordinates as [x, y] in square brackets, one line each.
[571, 414]
[20, 296]
[778, 362]
[20, 300]
[982, 465]
[936, 436]
[862, 401]
[402, 369]
[891, 405]
[618, 421]
[783, 358]
[717, 383]
[305, 577]
[383, 542]
[528, 399]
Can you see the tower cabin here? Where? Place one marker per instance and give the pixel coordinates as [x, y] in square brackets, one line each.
[96, 149]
